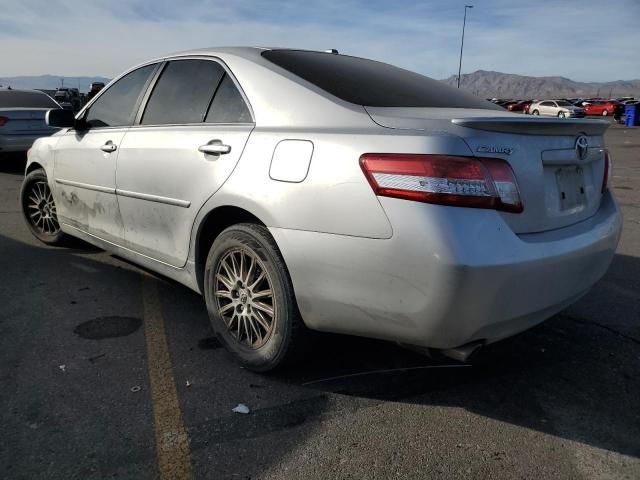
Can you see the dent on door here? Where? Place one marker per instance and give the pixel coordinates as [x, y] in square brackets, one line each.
[163, 179]
[85, 183]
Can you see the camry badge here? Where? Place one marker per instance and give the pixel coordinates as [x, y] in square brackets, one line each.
[582, 147]
[495, 149]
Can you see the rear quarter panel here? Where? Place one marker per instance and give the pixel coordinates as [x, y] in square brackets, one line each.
[335, 197]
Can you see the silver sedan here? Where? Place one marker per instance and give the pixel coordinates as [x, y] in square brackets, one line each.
[301, 190]
[22, 118]
[556, 108]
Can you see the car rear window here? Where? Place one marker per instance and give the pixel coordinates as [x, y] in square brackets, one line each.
[15, 99]
[370, 83]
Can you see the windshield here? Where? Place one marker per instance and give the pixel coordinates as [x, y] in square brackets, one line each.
[374, 84]
[19, 99]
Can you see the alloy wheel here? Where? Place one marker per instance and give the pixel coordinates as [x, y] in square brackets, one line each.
[41, 209]
[244, 297]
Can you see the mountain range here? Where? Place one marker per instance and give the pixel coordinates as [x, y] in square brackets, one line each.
[482, 82]
[507, 85]
[50, 82]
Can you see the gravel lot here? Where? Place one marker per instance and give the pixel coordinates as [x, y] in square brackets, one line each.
[79, 380]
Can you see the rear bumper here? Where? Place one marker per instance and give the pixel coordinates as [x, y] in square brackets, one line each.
[448, 276]
[19, 142]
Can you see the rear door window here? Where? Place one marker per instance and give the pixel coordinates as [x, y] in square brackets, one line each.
[183, 92]
[228, 106]
[118, 105]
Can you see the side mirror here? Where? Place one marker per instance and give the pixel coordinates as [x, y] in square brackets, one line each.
[60, 118]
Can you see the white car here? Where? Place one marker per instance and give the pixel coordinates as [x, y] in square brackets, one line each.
[556, 108]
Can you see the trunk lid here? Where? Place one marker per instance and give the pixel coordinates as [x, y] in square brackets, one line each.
[559, 181]
[25, 120]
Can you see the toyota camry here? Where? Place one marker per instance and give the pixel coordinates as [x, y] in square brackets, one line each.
[303, 190]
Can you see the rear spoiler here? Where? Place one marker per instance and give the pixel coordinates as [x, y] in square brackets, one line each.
[535, 125]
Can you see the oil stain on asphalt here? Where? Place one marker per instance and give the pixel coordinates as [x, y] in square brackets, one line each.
[108, 327]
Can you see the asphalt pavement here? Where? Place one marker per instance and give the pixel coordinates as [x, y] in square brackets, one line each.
[109, 371]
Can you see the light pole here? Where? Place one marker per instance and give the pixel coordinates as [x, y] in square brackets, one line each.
[464, 22]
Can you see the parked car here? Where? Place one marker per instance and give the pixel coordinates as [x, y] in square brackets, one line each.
[606, 107]
[64, 100]
[556, 108]
[68, 98]
[300, 190]
[504, 103]
[519, 106]
[22, 118]
[94, 89]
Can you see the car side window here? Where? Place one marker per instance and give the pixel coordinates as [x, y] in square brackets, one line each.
[118, 105]
[183, 92]
[228, 106]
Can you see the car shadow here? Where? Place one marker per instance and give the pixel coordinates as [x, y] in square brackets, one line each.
[573, 376]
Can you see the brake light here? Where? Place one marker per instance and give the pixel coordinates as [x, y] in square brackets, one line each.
[608, 166]
[3, 121]
[444, 179]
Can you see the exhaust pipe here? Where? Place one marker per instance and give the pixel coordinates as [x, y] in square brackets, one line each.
[462, 353]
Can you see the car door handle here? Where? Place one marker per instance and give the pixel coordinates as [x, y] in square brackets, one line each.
[215, 148]
[108, 147]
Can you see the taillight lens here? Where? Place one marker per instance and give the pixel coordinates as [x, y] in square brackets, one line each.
[444, 179]
[3, 121]
[608, 166]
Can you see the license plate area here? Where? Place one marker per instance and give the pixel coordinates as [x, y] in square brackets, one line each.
[571, 188]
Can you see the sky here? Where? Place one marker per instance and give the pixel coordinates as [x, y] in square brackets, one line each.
[585, 40]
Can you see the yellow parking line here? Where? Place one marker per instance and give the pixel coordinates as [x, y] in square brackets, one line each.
[172, 441]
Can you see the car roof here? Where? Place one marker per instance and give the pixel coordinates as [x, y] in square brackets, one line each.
[23, 90]
[243, 52]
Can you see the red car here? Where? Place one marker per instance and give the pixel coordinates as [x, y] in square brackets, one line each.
[519, 107]
[607, 107]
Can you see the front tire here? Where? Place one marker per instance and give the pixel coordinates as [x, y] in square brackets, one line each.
[39, 208]
[535, 112]
[250, 299]
[605, 113]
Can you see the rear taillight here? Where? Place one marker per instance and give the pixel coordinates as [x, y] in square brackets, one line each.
[607, 171]
[3, 121]
[444, 179]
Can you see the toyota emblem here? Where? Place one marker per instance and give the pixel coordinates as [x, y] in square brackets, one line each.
[582, 147]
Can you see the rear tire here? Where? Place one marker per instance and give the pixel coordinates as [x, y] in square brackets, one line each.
[535, 112]
[561, 115]
[39, 209]
[250, 299]
[605, 113]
